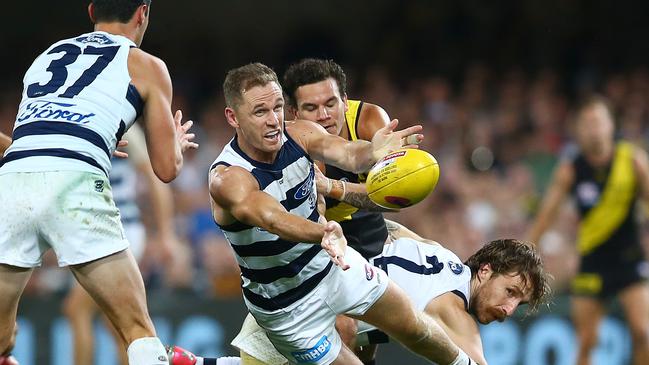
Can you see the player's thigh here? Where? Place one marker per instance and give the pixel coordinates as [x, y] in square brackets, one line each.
[346, 357]
[114, 282]
[83, 224]
[635, 303]
[382, 313]
[586, 313]
[12, 283]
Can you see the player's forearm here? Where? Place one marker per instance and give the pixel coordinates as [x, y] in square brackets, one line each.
[5, 142]
[162, 206]
[352, 194]
[360, 156]
[293, 228]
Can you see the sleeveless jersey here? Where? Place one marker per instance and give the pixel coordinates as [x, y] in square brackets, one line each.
[365, 231]
[275, 272]
[606, 202]
[424, 271]
[77, 103]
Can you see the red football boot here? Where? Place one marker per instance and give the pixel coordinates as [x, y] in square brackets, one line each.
[180, 356]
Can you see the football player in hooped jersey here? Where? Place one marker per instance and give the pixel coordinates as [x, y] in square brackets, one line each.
[79, 97]
[263, 197]
[488, 287]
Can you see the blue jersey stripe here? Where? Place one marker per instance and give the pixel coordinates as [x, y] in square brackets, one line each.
[264, 248]
[133, 96]
[266, 276]
[410, 266]
[68, 129]
[53, 152]
[290, 296]
[266, 177]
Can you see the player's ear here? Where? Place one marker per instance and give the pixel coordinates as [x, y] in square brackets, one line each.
[142, 13]
[91, 12]
[344, 99]
[484, 272]
[231, 117]
[291, 112]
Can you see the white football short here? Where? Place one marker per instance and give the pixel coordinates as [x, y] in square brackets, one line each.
[304, 332]
[69, 211]
[136, 236]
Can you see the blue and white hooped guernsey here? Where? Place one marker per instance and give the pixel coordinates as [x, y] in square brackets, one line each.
[275, 272]
[77, 103]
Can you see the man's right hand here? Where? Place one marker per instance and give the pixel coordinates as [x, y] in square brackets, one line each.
[184, 138]
[335, 243]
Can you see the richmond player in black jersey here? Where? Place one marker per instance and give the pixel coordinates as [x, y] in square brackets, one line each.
[606, 178]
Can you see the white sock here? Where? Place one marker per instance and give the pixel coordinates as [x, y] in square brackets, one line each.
[147, 351]
[228, 361]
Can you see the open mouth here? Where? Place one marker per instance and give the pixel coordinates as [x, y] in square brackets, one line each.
[272, 136]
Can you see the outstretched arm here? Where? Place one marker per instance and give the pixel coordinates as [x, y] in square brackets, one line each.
[355, 156]
[166, 136]
[236, 197]
[448, 310]
[351, 193]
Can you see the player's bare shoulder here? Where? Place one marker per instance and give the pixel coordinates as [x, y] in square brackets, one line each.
[230, 184]
[147, 70]
[372, 118]
[303, 131]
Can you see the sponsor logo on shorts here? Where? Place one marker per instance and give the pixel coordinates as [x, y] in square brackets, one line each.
[456, 267]
[99, 186]
[315, 353]
[369, 272]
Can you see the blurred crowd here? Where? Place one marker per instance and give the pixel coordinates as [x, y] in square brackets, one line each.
[496, 134]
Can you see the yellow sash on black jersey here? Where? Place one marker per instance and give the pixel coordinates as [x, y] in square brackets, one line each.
[614, 206]
[344, 211]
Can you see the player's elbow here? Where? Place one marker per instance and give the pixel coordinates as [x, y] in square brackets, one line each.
[167, 172]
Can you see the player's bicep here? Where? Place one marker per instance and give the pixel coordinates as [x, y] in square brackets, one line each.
[641, 166]
[237, 192]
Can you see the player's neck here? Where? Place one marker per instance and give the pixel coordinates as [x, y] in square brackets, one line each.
[117, 29]
[600, 157]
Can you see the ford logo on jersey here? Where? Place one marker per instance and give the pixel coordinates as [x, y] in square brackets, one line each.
[313, 354]
[306, 188]
[48, 110]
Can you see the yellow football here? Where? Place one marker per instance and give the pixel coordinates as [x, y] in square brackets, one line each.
[402, 178]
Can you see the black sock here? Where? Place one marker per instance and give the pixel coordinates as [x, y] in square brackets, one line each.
[209, 361]
[371, 362]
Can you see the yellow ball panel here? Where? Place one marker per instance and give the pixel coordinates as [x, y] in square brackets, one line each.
[402, 178]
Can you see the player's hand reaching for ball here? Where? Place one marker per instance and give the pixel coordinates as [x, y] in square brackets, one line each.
[184, 138]
[335, 243]
[387, 140]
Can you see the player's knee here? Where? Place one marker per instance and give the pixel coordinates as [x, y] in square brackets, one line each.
[347, 328]
[7, 340]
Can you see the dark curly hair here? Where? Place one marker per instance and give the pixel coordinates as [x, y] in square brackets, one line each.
[116, 10]
[309, 71]
[510, 256]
